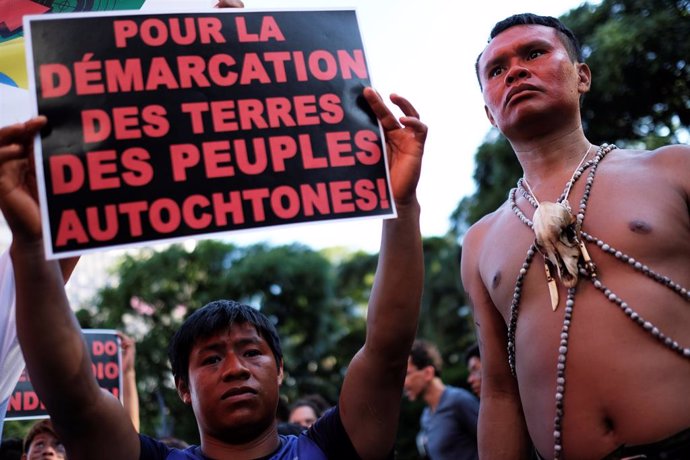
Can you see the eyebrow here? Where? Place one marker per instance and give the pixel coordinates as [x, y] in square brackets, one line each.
[221, 345]
[521, 49]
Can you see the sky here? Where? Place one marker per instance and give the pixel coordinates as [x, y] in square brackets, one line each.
[426, 54]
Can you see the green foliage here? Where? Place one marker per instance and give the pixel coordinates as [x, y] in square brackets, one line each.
[638, 52]
[640, 97]
[497, 171]
[318, 301]
[293, 285]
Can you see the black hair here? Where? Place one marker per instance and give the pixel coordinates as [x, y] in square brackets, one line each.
[424, 354]
[567, 37]
[472, 352]
[306, 403]
[212, 318]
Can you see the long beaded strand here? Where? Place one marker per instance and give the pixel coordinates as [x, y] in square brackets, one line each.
[589, 272]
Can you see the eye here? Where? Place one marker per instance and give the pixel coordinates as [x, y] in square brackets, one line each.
[213, 359]
[252, 353]
[496, 71]
[534, 54]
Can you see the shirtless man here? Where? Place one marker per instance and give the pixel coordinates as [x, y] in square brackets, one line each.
[624, 385]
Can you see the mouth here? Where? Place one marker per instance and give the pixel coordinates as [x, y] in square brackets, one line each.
[518, 90]
[238, 393]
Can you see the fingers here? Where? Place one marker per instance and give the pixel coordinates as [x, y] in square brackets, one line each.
[405, 105]
[229, 4]
[385, 116]
[420, 129]
[15, 139]
[125, 340]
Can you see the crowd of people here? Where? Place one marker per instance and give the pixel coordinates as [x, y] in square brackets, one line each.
[596, 366]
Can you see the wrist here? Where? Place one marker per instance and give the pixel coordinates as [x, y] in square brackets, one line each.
[408, 208]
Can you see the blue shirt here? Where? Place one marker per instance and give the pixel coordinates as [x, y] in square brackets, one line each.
[325, 440]
[450, 432]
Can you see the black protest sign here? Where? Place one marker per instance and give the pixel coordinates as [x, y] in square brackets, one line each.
[104, 347]
[172, 126]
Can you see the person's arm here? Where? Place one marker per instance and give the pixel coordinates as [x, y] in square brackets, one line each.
[371, 394]
[90, 421]
[130, 394]
[500, 410]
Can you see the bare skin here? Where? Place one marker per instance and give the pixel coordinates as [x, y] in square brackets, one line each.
[623, 386]
[93, 424]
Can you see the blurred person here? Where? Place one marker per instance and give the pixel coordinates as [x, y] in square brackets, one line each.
[304, 413]
[449, 420]
[11, 449]
[474, 369]
[43, 442]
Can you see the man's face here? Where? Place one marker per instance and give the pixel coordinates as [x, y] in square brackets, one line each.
[416, 381]
[474, 366]
[527, 75]
[45, 445]
[233, 384]
[303, 416]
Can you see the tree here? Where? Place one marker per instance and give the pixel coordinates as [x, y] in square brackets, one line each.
[293, 285]
[640, 98]
[638, 51]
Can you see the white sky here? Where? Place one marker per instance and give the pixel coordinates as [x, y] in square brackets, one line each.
[426, 54]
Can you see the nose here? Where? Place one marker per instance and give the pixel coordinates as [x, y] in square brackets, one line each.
[49, 452]
[516, 73]
[234, 368]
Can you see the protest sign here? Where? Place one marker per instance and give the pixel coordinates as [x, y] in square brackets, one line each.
[104, 347]
[170, 126]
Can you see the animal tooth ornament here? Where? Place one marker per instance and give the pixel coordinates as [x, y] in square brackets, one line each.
[556, 238]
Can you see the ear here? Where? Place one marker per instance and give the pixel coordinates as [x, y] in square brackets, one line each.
[183, 391]
[429, 373]
[490, 117]
[584, 74]
[280, 373]
[23, 456]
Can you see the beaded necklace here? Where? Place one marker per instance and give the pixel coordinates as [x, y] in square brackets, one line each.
[587, 270]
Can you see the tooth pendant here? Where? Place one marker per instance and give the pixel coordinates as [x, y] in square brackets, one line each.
[553, 287]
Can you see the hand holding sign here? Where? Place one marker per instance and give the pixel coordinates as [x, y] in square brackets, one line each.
[405, 144]
[18, 198]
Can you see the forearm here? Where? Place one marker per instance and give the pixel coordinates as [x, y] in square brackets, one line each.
[501, 418]
[130, 396]
[67, 266]
[396, 295]
[50, 337]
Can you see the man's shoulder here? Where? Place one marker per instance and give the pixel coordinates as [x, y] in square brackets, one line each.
[152, 449]
[478, 230]
[460, 394]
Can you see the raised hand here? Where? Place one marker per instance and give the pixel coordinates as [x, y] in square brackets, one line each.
[18, 194]
[405, 139]
[229, 4]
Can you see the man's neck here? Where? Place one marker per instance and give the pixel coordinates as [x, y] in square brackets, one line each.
[548, 163]
[259, 447]
[433, 393]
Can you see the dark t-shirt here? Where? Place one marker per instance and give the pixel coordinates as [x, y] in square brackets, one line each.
[326, 439]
